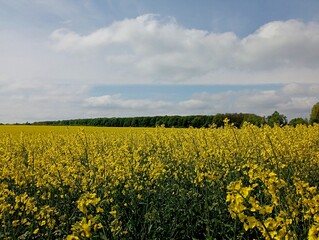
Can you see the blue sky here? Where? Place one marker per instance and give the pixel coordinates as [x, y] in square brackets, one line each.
[63, 59]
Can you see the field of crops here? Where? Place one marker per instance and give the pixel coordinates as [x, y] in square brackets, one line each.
[159, 183]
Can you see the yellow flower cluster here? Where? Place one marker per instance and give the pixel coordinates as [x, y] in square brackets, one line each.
[157, 183]
[270, 195]
[258, 204]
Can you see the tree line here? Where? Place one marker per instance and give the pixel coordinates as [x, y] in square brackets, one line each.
[196, 121]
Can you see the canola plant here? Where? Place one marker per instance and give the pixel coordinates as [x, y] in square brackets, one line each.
[159, 183]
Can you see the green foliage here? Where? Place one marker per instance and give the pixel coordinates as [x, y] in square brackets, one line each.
[276, 119]
[196, 121]
[296, 121]
[237, 119]
[314, 116]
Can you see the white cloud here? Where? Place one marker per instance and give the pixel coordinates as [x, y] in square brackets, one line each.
[261, 102]
[35, 65]
[149, 49]
[117, 101]
[291, 43]
[39, 102]
[21, 103]
[163, 51]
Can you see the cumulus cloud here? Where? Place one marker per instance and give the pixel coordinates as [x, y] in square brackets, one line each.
[161, 50]
[262, 102]
[287, 100]
[23, 103]
[150, 49]
[40, 102]
[291, 43]
[116, 101]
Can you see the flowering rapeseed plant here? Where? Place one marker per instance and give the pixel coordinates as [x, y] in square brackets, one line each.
[135, 183]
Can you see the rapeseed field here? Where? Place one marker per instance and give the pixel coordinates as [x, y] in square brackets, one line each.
[159, 183]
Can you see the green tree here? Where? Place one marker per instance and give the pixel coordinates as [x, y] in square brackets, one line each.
[314, 116]
[219, 119]
[295, 121]
[198, 121]
[276, 119]
[254, 119]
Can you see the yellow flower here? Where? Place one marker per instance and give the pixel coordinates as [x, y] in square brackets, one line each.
[82, 206]
[271, 224]
[113, 213]
[86, 227]
[36, 231]
[15, 223]
[72, 237]
[99, 210]
[86, 200]
[313, 233]
[97, 226]
[266, 209]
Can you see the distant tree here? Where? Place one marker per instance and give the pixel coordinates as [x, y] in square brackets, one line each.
[186, 121]
[134, 122]
[208, 121]
[145, 121]
[219, 119]
[172, 121]
[276, 119]
[296, 121]
[254, 119]
[198, 121]
[314, 116]
[159, 121]
[126, 122]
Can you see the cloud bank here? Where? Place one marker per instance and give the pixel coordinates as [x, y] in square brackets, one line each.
[49, 76]
[152, 49]
[289, 99]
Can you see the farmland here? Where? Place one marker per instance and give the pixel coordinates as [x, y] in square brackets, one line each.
[159, 183]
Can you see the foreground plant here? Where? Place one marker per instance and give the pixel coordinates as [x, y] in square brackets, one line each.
[108, 183]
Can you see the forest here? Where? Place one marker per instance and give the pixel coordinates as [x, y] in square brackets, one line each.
[196, 121]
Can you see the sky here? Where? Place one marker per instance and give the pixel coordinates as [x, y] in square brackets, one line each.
[68, 59]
